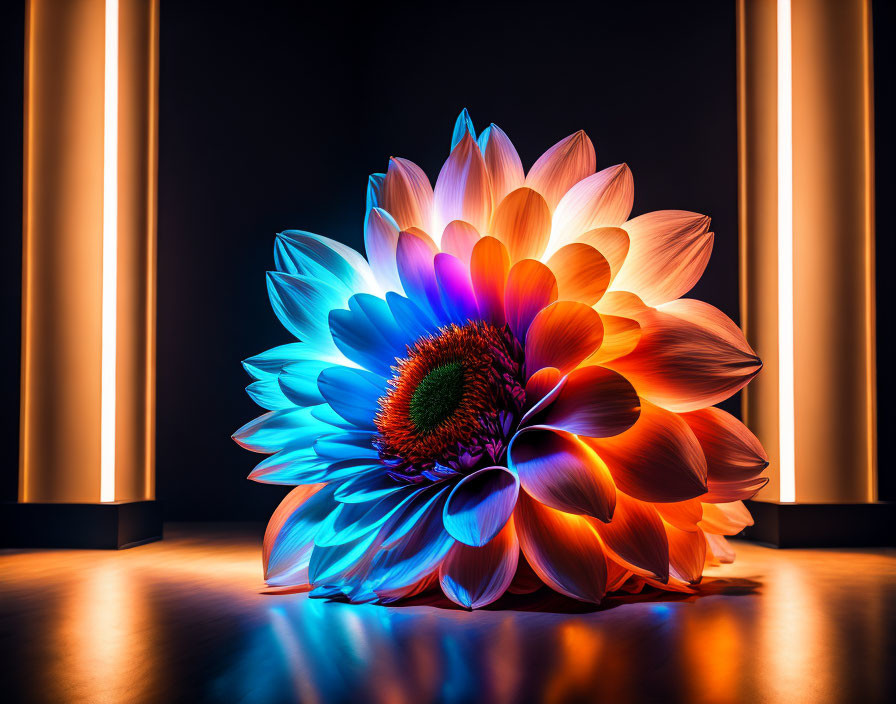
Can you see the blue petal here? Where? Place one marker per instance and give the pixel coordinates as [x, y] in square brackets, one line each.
[481, 504]
[482, 140]
[269, 363]
[463, 125]
[428, 498]
[412, 319]
[267, 394]
[367, 487]
[329, 561]
[291, 466]
[374, 192]
[291, 549]
[325, 413]
[368, 335]
[346, 445]
[278, 429]
[377, 311]
[353, 393]
[298, 381]
[352, 520]
[306, 254]
[302, 304]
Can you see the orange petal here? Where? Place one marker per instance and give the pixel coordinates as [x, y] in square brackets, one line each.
[612, 242]
[502, 161]
[687, 553]
[530, 287]
[734, 456]
[635, 538]
[602, 200]
[621, 336]
[462, 190]
[407, 194]
[621, 303]
[489, 266]
[668, 253]
[540, 384]
[522, 221]
[459, 238]
[684, 515]
[563, 549]
[566, 163]
[582, 272]
[690, 356]
[718, 549]
[562, 335]
[560, 471]
[725, 519]
[657, 459]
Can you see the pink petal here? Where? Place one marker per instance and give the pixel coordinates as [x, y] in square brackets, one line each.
[566, 163]
[563, 549]
[462, 190]
[455, 289]
[380, 242]
[560, 471]
[473, 577]
[669, 251]
[503, 163]
[719, 549]
[414, 257]
[725, 519]
[489, 266]
[582, 272]
[562, 335]
[522, 221]
[458, 239]
[657, 459]
[407, 194]
[530, 287]
[636, 538]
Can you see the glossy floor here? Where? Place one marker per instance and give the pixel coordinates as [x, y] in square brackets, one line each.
[186, 619]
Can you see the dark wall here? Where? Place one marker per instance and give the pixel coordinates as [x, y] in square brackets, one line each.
[271, 117]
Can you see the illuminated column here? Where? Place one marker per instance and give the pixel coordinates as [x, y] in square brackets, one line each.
[805, 142]
[88, 342]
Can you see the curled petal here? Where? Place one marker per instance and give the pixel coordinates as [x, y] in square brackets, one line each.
[458, 239]
[725, 519]
[582, 272]
[734, 456]
[621, 336]
[612, 242]
[522, 221]
[560, 471]
[687, 553]
[480, 504]
[455, 289]
[540, 384]
[657, 459]
[636, 538]
[668, 253]
[380, 242]
[407, 194]
[601, 200]
[690, 356]
[530, 287]
[477, 576]
[590, 401]
[503, 163]
[563, 550]
[562, 335]
[566, 163]
[462, 190]
[489, 265]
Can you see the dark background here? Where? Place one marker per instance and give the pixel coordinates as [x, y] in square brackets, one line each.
[272, 115]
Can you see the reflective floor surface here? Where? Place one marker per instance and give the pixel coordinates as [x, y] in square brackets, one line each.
[187, 620]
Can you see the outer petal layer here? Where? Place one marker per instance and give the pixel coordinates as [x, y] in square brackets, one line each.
[474, 577]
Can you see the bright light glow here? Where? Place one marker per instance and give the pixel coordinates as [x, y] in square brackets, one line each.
[786, 424]
[110, 255]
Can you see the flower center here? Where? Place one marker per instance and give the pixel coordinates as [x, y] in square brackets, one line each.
[455, 400]
[437, 396]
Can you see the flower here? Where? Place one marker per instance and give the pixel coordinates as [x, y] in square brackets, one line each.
[508, 392]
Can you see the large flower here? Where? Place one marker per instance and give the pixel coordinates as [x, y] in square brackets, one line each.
[507, 392]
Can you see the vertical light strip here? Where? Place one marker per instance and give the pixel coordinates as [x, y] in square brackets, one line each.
[786, 423]
[110, 255]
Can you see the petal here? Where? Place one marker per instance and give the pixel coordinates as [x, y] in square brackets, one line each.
[590, 401]
[455, 289]
[415, 269]
[268, 395]
[522, 221]
[657, 459]
[719, 549]
[302, 304]
[668, 253]
[407, 194]
[267, 365]
[540, 384]
[563, 550]
[463, 126]
[474, 577]
[690, 356]
[331, 562]
[734, 456]
[601, 200]
[359, 340]
[530, 287]
[687, 554]
[353, 393]
[489, 265]
[409, 316]
[504, 167]
[458, 239]
[562, 335]
[374, 191]
[621, 336]
[560, 471]
[612, 242]
[462, 190]
[582, 272]
[288, 539]
[480, 504]
[275, 430]
[368, 486]
[307, 254]
[725, 519]
[636, 538]
[566, 163]
[298, 381]
[349, 521]
[684, 515]
[380, 242]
